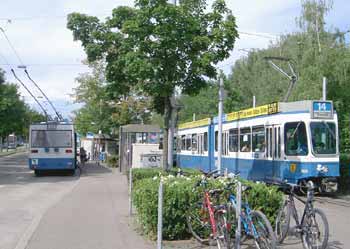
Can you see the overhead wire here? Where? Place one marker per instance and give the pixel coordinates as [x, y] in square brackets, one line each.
[31, 94]
[21, 82]
[11, 45]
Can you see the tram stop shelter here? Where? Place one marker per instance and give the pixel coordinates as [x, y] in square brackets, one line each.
[131, 138]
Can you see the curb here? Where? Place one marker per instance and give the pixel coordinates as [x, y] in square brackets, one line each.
[12, 153]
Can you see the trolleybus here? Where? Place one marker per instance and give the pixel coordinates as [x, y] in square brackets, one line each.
[52, 146]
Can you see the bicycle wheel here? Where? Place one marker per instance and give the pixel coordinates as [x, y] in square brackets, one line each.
[282, 222]
[222, 230]
[315, 230]
[198, 223]
[264, 237]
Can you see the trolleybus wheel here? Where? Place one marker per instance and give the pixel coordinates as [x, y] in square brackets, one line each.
[37, 172]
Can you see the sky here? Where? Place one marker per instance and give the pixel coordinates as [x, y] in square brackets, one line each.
[37, 31]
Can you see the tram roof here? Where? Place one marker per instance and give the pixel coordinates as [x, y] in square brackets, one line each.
[307, 106]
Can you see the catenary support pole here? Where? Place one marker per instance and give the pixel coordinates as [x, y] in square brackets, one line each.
[324, 89]
[221, 97]
[238, 215]
[160, 216]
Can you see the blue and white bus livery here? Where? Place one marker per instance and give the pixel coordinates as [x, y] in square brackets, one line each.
[52, 147]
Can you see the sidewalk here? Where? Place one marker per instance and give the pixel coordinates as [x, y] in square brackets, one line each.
[13, 151]
[93, 216]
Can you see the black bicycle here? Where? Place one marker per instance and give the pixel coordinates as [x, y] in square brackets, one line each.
[313, 226]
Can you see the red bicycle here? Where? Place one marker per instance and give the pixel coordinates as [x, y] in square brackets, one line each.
[207, 222]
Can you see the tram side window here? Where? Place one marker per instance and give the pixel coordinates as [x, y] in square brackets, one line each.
[233, 140]
[183, 142]
[258, 139]
[194, 142]
[188, 142]
[245, 139]
[295, 139]
[205, 141]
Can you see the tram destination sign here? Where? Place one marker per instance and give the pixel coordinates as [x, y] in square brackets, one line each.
[322, 110]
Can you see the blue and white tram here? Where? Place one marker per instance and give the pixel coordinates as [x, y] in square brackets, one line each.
[294, 141]
[52, 146]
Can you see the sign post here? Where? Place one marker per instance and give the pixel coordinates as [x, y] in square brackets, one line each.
[221, 98]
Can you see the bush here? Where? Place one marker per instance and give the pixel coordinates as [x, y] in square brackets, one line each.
[178, 194]
[112, 161]
[344, 179]
[142, 173]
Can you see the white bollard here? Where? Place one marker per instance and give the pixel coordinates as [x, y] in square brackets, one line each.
[238, 215]
[130, 192]
[160, 215]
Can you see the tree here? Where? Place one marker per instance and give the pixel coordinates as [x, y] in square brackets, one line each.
[99, 111]
[316, 52]
[157, 46]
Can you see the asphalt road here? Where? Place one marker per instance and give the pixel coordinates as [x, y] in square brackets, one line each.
[64, 212]
[24, 199]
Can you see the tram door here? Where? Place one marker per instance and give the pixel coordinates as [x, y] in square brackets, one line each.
[225, 137]
[273, 149]
[200, 144]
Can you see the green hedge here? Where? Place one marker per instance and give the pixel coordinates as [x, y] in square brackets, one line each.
[178, 194]
[142, 173]
[344, 179]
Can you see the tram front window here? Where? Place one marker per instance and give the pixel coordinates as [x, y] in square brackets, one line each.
[323, 138]
[295, 139]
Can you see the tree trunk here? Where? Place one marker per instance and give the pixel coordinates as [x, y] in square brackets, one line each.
[167, 116]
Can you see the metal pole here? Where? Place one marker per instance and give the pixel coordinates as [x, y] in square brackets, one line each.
[238, 215]
[221, 84]
[324, 89]
[130, 191]
[254, 101]
[160, 215]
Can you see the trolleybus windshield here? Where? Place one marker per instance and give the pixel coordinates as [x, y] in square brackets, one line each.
[51, 138]
[323, 137]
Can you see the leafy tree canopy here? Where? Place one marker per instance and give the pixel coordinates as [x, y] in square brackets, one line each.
[157, 46]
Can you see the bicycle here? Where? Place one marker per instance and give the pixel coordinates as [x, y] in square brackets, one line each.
[254, 223]
[205, 221]
[309, 225]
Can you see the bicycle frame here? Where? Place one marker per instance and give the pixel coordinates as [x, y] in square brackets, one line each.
[207, 204]
[246, 218]
[308, 206]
